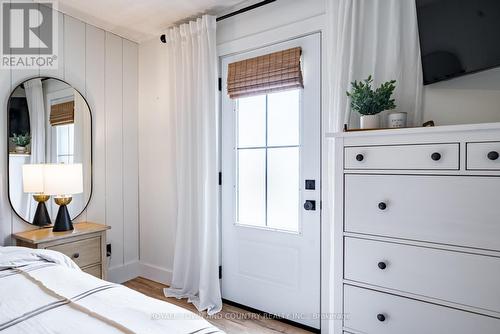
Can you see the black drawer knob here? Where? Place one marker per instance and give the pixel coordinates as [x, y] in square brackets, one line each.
[382, 265]
[360, 157]
[382, 206]
[76, 255]
[436, 156]
[380, 317]
[493, 155]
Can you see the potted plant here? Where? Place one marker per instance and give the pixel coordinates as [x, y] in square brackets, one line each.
[21, 142]
[370, 103]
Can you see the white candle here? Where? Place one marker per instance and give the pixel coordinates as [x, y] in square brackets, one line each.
[397, 120]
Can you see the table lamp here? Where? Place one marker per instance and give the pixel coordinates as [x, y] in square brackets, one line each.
[33, 182]
[62, 181]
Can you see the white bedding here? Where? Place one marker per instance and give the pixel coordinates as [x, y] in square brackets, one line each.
[44, 292]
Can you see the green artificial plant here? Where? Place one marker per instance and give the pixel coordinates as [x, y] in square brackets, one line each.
[367, 101]
[21, 140]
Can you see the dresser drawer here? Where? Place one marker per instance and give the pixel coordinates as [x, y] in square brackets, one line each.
[84, 252]
[425, 271]
[483, 156]
[408, 316]
[403, 157]
[454, 210]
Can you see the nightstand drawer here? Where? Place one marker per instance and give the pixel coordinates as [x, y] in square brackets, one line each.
[94, 270]
[84, 252]
[380, 313]
[403, 157]
[404, 268]
[483, 156]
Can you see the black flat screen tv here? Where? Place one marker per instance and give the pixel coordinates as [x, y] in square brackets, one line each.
[458, 37]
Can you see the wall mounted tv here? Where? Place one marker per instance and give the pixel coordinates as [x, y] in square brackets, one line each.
[458, 37]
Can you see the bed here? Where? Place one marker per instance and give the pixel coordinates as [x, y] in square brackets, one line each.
[43, 291]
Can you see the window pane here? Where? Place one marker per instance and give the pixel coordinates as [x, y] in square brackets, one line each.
[283, 188]
[252, 121]
[283, 118]
[252, 187]
[63, 159]
[62, 140]
[71, 139]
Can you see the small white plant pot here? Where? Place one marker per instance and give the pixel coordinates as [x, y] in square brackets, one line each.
[20, 149]
[370, 121]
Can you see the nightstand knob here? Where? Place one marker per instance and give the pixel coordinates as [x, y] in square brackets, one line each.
[493, 155]
[382, 206]
[382, 265]
[360, 157]
[436, 156]
[381, 317]
[76, 255]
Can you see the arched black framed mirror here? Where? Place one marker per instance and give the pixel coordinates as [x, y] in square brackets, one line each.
[48, 122]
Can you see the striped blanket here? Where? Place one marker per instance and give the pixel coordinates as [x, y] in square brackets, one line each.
[44, 292]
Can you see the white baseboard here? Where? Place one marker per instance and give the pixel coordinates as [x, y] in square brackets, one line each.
[120, 274]
[155, 273]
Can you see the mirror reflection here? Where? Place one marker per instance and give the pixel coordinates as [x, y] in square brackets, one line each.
[48, 122]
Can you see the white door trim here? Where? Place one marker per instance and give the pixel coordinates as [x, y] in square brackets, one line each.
[281, 34]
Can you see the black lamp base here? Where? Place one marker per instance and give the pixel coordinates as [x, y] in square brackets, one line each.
[41, 217]
[63, 220]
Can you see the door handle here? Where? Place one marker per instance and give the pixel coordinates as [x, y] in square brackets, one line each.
[310, 205]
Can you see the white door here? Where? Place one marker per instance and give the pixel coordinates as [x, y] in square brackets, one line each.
[270, 150]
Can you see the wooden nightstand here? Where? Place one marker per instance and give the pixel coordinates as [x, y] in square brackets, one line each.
[86, 245]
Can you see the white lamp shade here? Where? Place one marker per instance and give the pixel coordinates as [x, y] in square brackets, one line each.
[63, 179]
[33, 176]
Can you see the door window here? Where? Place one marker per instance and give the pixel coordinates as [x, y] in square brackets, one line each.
[268, 166]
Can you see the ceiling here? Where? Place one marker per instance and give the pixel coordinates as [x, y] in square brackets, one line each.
[140, 20]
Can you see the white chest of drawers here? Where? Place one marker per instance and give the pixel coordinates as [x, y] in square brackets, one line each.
[417, 231]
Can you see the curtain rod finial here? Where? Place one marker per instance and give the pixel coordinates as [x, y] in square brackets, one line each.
[163, 38]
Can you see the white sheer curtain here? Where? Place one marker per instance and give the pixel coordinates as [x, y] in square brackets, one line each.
[192, 93]
[378, 37]
[36, 108]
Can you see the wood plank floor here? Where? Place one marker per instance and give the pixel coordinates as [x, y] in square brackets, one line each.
[232, 320]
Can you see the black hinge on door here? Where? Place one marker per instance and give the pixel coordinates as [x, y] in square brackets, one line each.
[220, 84]
[220, 272]
[220, 178]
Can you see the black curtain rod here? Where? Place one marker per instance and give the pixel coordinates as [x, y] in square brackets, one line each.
[163, 38]
[246, 9]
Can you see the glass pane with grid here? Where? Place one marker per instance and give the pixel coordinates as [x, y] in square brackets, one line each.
[268, 160]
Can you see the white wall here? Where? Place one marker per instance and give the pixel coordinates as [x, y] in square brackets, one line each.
[270, 17]
[104, 68]
[156, 165]
[473, 98]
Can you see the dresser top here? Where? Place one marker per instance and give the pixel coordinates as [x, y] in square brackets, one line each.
[416, 130]
[46, 234]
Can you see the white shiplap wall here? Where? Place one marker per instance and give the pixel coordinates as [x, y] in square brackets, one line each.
[104, 68]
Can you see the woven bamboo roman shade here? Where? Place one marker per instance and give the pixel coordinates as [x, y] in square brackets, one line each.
[273, 72]
[62, 113]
